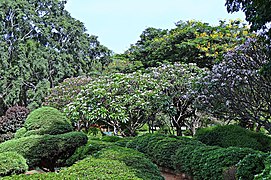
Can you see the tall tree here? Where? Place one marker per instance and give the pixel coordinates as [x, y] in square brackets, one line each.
[40, 45]
[189, 42]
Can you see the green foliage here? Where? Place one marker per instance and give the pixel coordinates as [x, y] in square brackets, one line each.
[250, 166]
[46, 120]
[137, 161]
[48, 47]
[20, 132]
[266, 173]
[89, 168]
[111, 138]
[45, 150]
[190, 42]
[12, 163]
[92, 147]
[232, 135]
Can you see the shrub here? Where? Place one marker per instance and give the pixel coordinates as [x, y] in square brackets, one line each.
[124, 142]
[266, 173]
[46, 120]
[45, 150]
[20, 132]
[251, 165]
[137, 161]
[111, 138]
[90, 148]
[232, 135]
[12, 163]
[89, 168]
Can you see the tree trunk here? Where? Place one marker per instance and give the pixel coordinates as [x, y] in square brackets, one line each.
[179, 131]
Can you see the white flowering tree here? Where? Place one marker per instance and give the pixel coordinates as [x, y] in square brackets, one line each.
[180, 83]
[236, 90]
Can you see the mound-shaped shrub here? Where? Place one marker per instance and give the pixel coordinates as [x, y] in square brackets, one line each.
[232, 135]
[12, 163]
[46, 120]
[137, 161]
[45, 150]
[89, 168]
[92, 147]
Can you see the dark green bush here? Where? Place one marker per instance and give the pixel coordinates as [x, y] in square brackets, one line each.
[12, 163]
[137, 161]
[209, 162]
[92, 147]
[232, 135]
[90, 169]
[140, 143]
[266, 173]
[45, 150]
[111, 138]
[161, 152]
[251, 165]
[46, 120]
[124, 142]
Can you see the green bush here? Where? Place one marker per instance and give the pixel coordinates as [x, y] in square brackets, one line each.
[46, 120]
[209, 162]
[12, 163]
[251, 165]
[140, 143]
[266, 173]
[124, 141]
[92, 147]
[89, 168]
[111, 138]
[45, 150]
[20, 132]
[232, 135]
[137, 161]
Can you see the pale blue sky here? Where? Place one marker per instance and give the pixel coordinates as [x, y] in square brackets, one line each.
[118, 23]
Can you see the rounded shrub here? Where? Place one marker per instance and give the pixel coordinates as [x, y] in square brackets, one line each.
[137, 161]
[20, 132]
[250, 166]
[12, 163]
[46, 120]
[46, 151]
[89, 168]
[266, 173]
[111, 138]
[233, 135]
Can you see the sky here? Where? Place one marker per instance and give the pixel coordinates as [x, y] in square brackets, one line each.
[119, 23]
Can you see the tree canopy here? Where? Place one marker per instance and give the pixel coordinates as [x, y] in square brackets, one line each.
[41, 45]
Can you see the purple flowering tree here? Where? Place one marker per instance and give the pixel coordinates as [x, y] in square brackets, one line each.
[236, 90]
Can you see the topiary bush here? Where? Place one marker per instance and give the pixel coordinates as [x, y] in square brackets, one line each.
[12, 163]
[92, 147]
[233, 135]
[46, 151]
[266, 173]
[89, 168]
[137, 161]
[250, 166]
[46, 120]
[111, 138]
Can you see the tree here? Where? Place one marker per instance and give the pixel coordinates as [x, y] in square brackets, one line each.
[236, 90]
[189, 42]
[258, 15]
[122, 101]
[41, 45]
[179, 83]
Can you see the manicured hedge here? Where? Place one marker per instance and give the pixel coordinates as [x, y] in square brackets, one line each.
[12, 163]
[137, 161]
[266, 173]
[233, 135]
[92, 147]
[45, 120]
[111, 138]
[90, 168]
[46, 150]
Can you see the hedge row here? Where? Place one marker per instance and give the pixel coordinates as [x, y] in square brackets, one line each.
[197, 159]
[109, 162]
[233, 135]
